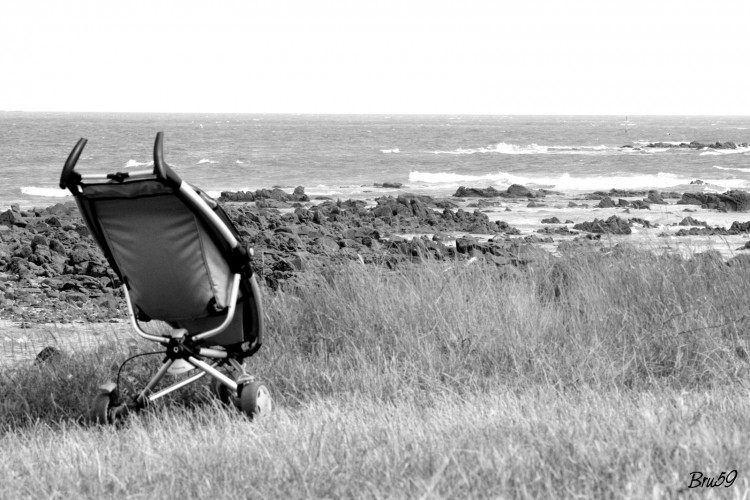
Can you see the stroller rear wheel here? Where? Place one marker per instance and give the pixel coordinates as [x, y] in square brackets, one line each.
[255, 399]
[101, 408]
[106, 408]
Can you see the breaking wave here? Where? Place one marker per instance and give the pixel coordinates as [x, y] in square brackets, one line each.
[568, 183]
[533, 149]
[637, 147]
[721, 152]
[136, 164]
[206, 160]
[738, 169]
[45, 192]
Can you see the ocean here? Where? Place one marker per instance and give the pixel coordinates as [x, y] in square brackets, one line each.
[344, 156]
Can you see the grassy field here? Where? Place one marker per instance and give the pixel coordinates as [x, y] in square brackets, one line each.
[596, 375]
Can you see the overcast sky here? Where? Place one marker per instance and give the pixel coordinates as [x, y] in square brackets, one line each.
[376, 56]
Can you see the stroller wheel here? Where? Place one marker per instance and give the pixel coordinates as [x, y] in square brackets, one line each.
[100, 409]
[255, 399]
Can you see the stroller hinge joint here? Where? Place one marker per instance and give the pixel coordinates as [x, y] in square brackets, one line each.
[178, 349]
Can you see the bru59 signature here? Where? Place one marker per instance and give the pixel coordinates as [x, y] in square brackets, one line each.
[698, 480]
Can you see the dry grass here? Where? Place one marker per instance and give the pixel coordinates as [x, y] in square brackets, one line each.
[595, 375]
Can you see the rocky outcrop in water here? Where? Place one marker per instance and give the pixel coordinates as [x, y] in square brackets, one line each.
[513, 191]
[730, 201]
[697, 145]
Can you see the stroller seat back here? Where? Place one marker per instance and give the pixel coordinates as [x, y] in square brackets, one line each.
[174, 249]
[172, 267]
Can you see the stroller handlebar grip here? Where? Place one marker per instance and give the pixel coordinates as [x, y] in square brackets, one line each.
[159, 156]
[70, 163]
[161, 169]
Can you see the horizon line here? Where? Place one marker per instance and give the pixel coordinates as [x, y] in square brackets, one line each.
[290, 113]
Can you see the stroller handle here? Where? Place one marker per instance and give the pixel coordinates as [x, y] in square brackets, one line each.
[161, 169]
[70, 163]
[159, 156]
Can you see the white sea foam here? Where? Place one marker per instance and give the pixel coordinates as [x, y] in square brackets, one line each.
[720, 152]
[136, 164]
[46, 192]
[387, 151]
[533, 149]
[738, 169]
[206, 160]
[239, 162]
[566, 182]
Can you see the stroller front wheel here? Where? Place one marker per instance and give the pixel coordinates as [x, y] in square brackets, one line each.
[255, 399]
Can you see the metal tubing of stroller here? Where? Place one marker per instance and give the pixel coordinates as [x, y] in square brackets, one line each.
[176, 386]
[201, 205]
[134, 322]
[202, 365]
[230, 313]
[134, 175]
[212, 353]
[154, 380]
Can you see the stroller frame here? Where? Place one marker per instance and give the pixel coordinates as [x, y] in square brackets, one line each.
[185, 350]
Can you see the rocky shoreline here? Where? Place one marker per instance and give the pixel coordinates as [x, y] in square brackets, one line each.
[52, 271]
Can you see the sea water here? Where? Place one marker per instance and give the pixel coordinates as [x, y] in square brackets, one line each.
[343, 156]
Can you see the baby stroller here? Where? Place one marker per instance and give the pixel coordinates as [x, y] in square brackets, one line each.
[180, 260]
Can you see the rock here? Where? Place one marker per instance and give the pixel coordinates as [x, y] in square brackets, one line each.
[382, 211]
[738, 227]
[613, 225]
[551, 220]
[696, 145]
[490, 192]
[739, 199]
[246, 196]
[731, 201]
[12, 218]
[689, 221]
[655, 197]
[299, 194]
[615, 193]
[389, 185]
[606, 202]
[421, 212]
[466, 244]
[693, 199]
[327, 245]
[518, 191]
[271, 203]
[640, 205]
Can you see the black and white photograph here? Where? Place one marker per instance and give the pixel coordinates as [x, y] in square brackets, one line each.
[402, 249]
